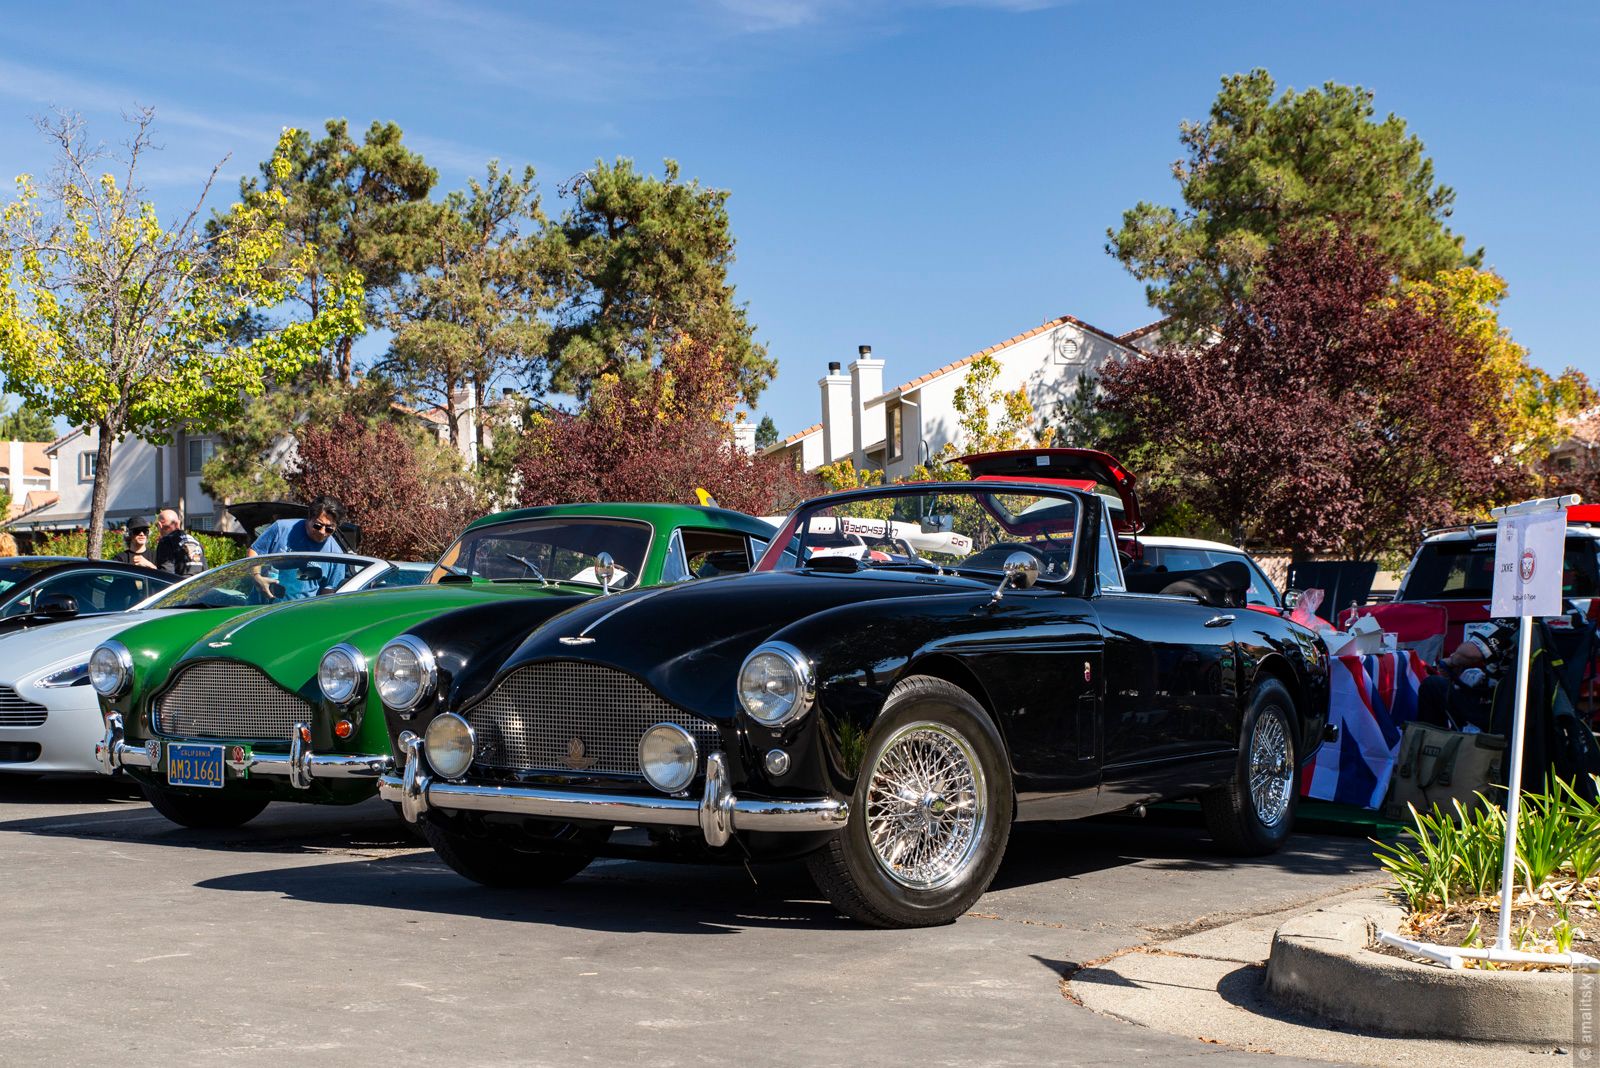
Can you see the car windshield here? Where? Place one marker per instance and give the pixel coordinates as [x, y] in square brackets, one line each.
[15, 571]
[949, 528]
[259, 580]
[1461, 569]
[557, 549]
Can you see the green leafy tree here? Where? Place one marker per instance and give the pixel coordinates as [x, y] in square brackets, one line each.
[348, 208]
[1262, 166]
[988, 419]
[257, 445]
[25, 424]
[647, 265]
[475, 309]
[117, 321]
[766, 433]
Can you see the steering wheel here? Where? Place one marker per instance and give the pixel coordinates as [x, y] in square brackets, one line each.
[994, 557]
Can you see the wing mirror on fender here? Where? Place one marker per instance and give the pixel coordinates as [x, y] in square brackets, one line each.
[1021, 572]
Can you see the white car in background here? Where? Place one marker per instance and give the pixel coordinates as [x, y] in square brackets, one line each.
[1193, 554]
[49, 715]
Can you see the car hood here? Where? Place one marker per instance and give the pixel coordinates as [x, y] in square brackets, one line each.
[288, 641]
[26, 651]
[689, 640]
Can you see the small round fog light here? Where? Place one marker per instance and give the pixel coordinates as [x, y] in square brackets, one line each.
[668, 757]
[449, 743]
[777, 761]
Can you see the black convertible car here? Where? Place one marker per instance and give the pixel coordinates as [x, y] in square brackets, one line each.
[36, 590]
[907, 671]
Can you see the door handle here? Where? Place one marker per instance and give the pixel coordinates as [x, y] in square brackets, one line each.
[1220, 621]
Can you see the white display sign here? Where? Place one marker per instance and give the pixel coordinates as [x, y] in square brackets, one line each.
[1529, 551]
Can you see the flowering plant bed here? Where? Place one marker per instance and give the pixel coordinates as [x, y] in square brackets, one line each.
[1448, 876]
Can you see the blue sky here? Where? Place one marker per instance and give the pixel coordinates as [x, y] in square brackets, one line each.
[927, 178]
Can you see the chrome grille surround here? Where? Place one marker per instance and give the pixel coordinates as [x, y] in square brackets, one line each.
[227, 699]
[531, 720]
[16, 711]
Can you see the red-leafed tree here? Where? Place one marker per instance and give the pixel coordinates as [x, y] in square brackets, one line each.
[656, 437]
[1333, 413]
[405, 491]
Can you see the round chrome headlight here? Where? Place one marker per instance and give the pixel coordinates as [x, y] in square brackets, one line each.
[342, 673]
[668, 757]
[110, 669]
[449, 744]
[775, 685]
[405, 673]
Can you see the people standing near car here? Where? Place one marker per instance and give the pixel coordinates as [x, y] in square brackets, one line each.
[136, 541]
[313, 534]
[177, 551]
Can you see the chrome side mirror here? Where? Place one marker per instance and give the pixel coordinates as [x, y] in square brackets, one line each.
[1021, 572]
[1291, 598]
[605, 569]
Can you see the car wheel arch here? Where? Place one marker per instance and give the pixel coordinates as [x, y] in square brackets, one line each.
[952, 670]
[1275, 666]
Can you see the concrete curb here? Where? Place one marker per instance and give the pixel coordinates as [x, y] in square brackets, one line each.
[1320, 964]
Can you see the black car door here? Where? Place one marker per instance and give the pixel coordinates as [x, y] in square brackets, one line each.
[1040, 654]
[1169, 695]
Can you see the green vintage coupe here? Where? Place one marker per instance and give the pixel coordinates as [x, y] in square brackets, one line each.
[276, 703]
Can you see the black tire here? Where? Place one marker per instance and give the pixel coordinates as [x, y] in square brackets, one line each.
[499, 865]
[1237, 822]
[202, 812]
[943, 719]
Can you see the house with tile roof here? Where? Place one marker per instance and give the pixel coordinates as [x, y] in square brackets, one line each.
[894, 429]
[57, 480]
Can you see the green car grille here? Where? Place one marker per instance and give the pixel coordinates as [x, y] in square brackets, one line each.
[223, 699]
[571, 716]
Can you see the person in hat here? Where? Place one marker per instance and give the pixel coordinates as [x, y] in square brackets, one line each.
[136, 535]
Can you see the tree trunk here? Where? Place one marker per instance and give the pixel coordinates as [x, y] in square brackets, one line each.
[102, 484]
[344, 348]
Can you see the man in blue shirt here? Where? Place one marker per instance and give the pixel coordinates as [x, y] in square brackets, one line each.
[313, 534]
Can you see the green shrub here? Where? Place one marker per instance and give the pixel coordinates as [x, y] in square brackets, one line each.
[1460, 854]
[219, 549]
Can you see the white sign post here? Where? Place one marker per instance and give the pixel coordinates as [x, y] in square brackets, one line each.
[1529, 552]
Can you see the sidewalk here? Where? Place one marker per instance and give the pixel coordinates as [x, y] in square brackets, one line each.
[1208, 987]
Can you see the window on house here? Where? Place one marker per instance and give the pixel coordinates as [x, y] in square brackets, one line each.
[87, 462]
[200, 450]
[893, 416]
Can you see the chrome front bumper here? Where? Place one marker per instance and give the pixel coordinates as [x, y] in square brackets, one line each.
[717, 812]
[300, 765]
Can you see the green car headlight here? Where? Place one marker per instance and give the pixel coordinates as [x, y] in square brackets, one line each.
[342, 673]
[405, 673]
[110, 669]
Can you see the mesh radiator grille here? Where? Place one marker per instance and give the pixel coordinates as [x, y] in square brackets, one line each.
[18, 712]
[566, 715]
[222, 699]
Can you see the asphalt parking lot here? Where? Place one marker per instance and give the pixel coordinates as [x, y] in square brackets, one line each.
[330, 936]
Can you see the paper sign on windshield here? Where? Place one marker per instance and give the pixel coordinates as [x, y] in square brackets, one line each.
[1528, 555]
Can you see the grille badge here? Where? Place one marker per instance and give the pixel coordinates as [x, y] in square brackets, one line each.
[575, 758]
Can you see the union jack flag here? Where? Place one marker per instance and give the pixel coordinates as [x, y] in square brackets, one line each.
[1371, 699]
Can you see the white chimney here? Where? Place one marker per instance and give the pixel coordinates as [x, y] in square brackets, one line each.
[744, 437]
[466, 412]
[836, 417]
[866, 383]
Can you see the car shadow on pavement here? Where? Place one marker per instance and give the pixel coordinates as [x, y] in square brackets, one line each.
[67, 790]
[617, 896]
[282, 828]
[1040, 852]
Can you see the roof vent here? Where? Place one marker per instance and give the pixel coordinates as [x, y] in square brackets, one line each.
[864, 351]
[833, 368]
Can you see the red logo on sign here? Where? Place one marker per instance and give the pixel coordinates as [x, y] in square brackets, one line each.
[1529, 562]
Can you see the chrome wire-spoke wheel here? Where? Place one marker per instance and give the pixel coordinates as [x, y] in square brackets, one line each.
[926, 808]
[1271, 767]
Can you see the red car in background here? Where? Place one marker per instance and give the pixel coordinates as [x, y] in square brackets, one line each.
[1448, 583]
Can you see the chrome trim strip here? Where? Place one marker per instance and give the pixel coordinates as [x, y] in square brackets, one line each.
[718, 813]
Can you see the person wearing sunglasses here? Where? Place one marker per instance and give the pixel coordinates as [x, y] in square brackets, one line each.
[313, 534]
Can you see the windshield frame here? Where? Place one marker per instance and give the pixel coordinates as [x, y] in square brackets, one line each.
[788, 531]
[638, 583]
[359, 565]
